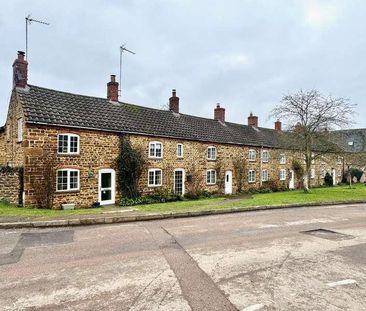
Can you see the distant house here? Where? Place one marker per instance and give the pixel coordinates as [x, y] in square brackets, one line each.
[81, 135]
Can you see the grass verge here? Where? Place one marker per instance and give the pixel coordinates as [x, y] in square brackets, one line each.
[317, 195]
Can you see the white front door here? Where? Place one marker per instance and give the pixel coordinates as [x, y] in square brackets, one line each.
[228, 182]
[334, 176]
[179, 181]
[107, 186]
[291, 182]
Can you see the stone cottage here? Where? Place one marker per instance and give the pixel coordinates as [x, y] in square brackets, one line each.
[77, 138]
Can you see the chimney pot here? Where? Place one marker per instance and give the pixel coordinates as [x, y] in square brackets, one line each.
[112, 89]
[219, 113]
[252, 120]
[20, 71]
[278, 125]
[174, 102]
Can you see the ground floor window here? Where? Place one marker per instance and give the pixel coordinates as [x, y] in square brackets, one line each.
[155, 177]
[211, 177]
[67, 180]
[251, 176]
[264, 175]
[282, 174]
[312, 173]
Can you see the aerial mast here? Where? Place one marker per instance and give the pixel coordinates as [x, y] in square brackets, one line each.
[28, 21]
[122, 49]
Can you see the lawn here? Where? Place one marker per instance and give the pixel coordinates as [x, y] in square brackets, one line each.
[317, 195]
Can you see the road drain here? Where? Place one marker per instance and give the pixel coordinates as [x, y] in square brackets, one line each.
[328, 234]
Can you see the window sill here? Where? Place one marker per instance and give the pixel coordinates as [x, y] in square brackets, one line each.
[68, 154]
[67, 191]
[210, 184]
[251, 182]
[154, 186]
[211, 160]
[155, 158]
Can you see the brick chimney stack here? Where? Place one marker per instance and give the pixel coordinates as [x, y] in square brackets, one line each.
[278, 125]
[112, 89]
[174, 102]
[252, 120]
[20, 71]
[219, 113]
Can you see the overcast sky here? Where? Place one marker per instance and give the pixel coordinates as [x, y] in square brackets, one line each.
[244, 54]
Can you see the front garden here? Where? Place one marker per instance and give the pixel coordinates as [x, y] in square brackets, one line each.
[317, 195]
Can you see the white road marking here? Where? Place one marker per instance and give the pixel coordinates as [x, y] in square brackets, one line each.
[343, 282]
[258, 306]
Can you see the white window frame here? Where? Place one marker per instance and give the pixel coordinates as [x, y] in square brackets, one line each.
[20, 130]
[262, 156]
[282, 174]
[209, 180]
[153, 155]
[68, 170]
[322, 173]
[208, 153]
[252, 155]
[264, 175]
[181, 151]
[154, 170]
[68, 143]
[282, 158]
[251, 173]
[312, 173]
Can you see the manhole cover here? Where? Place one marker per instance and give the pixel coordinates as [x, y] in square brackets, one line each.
[328, 234]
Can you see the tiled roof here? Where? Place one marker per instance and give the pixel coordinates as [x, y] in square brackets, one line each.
[46, 106]
[353, 140]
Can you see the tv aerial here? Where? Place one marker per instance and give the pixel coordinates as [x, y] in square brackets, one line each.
[29, 20]
[122, 49]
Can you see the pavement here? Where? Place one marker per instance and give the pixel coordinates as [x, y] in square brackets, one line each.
[281, 259]
[113, 214]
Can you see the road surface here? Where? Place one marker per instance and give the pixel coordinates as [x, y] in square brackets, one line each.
[290, 259]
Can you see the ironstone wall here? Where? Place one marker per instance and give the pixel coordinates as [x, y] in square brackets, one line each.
[10, 185]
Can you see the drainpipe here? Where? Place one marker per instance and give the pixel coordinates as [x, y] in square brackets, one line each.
[260, 167]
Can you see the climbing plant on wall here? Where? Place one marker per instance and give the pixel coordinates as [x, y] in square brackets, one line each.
[130, 165]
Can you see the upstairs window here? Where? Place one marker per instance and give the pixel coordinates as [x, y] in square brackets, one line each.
[179, 150]
[251, 176]
[68, 180]
[20, 130]
[211, 153]
[155, 150]
[251, 155]
[155, 177]
[282, 159]
[264, 175]
[211, 177]
[265, 156]
[68, 144]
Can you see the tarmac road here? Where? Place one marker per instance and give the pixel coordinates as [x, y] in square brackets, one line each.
[243, 261]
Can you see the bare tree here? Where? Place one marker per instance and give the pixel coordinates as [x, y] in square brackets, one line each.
[310, 117]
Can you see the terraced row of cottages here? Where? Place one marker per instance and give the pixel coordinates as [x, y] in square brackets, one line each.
[79, 137]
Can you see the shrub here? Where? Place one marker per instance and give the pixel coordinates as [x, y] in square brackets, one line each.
[276, 185]
[328, 180]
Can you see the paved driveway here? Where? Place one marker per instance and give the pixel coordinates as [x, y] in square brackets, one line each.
[269, 260]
